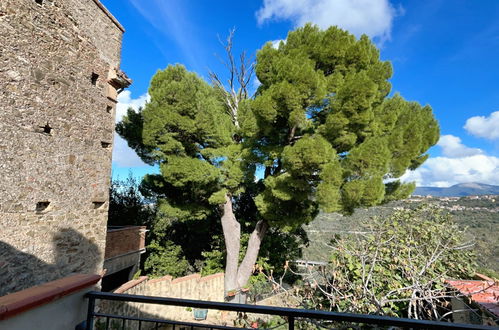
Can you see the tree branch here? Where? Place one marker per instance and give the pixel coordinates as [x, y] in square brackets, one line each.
[238, 81]
[246, 267]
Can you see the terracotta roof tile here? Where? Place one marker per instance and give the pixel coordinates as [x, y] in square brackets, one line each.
[485, 293]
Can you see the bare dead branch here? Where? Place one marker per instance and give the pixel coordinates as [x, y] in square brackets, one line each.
[239, 77]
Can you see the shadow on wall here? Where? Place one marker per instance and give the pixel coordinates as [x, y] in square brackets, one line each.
[192, 286]
[73, 253]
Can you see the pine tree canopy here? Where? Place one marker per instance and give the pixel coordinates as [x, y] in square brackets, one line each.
[321, 132]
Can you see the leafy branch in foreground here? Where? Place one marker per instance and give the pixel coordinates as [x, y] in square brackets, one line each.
[397, 268]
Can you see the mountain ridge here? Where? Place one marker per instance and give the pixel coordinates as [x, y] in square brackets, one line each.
[458, 190]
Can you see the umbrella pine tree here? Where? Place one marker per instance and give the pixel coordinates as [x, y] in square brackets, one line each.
[321, 132]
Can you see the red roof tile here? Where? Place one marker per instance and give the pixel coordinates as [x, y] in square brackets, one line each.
[485, 293]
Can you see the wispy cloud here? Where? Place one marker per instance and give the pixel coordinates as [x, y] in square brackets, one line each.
[371, 17]
[482, 44]
[171, 19]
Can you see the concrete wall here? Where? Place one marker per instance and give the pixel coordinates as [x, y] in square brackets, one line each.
[115, 264]
[194, 286]
[57, 305]
[62, 314]
[56, 134]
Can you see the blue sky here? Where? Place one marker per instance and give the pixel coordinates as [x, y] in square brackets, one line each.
[444, 53]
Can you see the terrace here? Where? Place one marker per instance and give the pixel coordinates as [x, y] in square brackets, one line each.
[291, 316]
[73, 299]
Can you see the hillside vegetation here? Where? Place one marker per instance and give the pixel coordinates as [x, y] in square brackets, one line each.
[480, 215]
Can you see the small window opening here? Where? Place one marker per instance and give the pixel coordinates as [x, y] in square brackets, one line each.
[105, 144]
[109, 109]
[94, 78]
[42, 206]
[46, 129]
[97, 205]
[39, 2]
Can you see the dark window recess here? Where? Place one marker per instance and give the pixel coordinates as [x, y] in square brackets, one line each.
[42, 206]
[94, 78]
[109, 109]
[105, 144]
[115, 280]
[39, 2]
[98, 204]
[46, 129]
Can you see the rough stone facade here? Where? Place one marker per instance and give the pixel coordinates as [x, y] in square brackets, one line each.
[192, 286]
[56, 133]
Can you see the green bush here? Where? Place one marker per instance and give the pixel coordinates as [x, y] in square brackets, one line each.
[396, 266]
[165, 259]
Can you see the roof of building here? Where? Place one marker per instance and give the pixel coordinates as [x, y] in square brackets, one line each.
[484, 293]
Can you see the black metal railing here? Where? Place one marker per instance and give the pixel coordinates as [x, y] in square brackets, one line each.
[291, 314]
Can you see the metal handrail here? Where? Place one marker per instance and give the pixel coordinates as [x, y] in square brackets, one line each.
[290, 313]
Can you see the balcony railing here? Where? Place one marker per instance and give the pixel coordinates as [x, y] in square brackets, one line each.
[290, 314]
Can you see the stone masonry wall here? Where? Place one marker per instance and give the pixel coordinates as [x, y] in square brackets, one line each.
[56, 134]
[193, 286]
[103, 30]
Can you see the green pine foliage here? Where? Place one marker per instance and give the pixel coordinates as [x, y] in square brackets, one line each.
[127, 205]
[320, 132]
[165, 259]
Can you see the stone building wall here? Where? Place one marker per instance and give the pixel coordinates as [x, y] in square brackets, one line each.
[102, 29]
[210, 288]
[56, 132]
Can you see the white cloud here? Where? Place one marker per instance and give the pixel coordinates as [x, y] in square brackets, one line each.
[485, 127]
[371, 17]
[253, 87]
[276, 43]
[125, 101]
[459, 164]
[452, 147]
[255, 82]
[124, 156]
[445, 172]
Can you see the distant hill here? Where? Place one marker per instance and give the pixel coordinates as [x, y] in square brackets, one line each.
[458, 190]
[479, 216]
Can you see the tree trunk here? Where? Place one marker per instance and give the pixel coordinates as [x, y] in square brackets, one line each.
[237, 276]
[246, 267]
[232, 235]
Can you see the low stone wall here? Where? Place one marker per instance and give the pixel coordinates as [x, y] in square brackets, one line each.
[193, 286]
